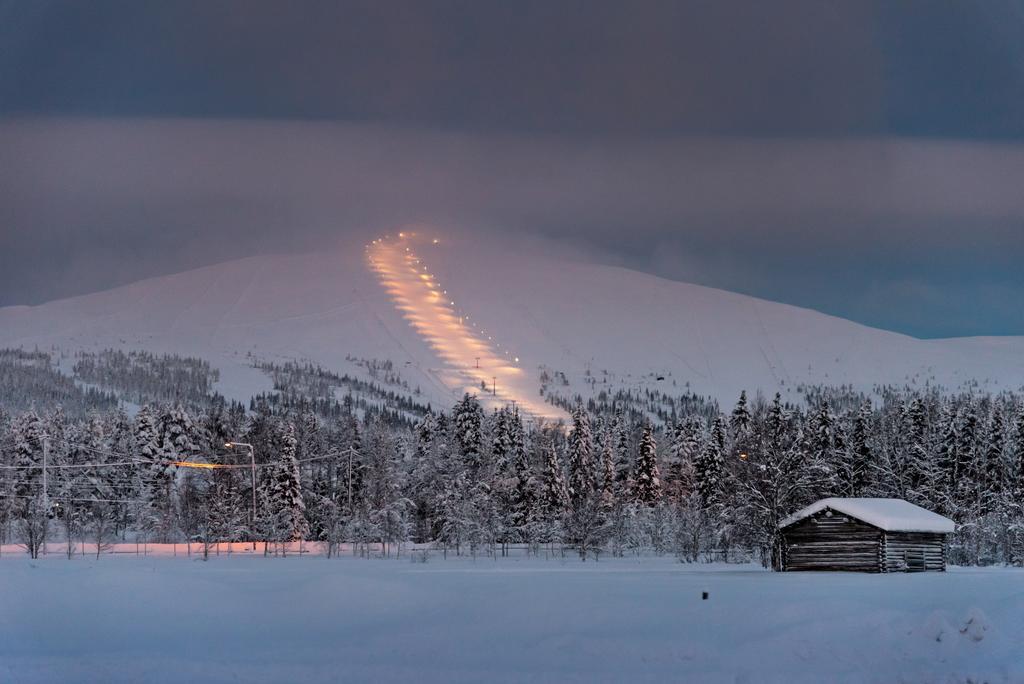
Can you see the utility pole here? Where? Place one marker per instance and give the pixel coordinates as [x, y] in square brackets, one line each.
[46, 493]
[478, 362]
[494, 385]
[252, 469]
[351, 450]
[46, 456]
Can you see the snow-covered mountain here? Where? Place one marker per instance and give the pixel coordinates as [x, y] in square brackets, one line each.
[433, 307]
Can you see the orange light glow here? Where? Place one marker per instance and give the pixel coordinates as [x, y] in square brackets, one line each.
[472, 356]
[201, 466]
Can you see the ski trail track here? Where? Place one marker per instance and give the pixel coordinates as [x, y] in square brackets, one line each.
[472, 360]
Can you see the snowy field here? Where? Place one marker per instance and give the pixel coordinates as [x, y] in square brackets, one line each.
[312, 619]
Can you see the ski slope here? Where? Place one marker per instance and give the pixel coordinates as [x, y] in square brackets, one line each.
[461, 298]
[472, 357]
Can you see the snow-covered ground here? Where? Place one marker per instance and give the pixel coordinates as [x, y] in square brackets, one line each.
[312, 619]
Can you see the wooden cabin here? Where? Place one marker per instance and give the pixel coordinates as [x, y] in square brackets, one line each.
[864, 535]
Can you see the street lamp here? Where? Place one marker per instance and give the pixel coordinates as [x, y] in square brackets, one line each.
[252, 463]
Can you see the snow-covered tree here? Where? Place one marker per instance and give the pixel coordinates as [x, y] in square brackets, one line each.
[582, 475]
[740, 421]
[709, 468]
[647, 478]
[554, 492]
[468, 422]
[773, 481]
[286, 499]
[854, 474]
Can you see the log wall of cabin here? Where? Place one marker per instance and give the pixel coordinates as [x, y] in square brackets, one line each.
[832, 542]
[911, 550]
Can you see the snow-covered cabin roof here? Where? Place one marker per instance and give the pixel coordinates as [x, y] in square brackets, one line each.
[891, 515]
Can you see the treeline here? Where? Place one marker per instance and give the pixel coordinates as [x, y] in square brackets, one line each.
[663, 408]
[30, 379]
[708, 485]
[141, 376]
[302, 387]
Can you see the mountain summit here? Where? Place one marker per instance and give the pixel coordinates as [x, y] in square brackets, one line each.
[453, 315]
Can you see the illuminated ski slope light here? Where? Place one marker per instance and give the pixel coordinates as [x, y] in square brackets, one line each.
[447, 329]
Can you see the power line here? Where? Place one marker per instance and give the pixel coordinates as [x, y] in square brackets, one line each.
[65, 466]
[58, 499]
[147, 462]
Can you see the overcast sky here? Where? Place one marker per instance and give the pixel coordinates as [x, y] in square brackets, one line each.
[864, 159]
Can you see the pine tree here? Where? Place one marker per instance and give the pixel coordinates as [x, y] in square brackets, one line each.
[740, 421]
[821, 439]
[468, 418]
[27, 433]
[227, 508]
[584, 520]
[920, 469]
[554, 492]
[607, 468]
[582, 480]
[966, 466]
[175, 432]
[1014, 496]
[425, 430]
[286, 492]
[947, 476]
[623, 454]
[516, 436]
[684, 451]
[647, 480]
[147, 434]
[98, 514]
[501, 445]
[859, 453]
[992, 476]
[386, 480]
[822, 444]
[1016, 485]
[709, 469]
[524, 496]
[179, 435]
[515, 485]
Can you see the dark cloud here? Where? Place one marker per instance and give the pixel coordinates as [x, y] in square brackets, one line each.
[858, 157]
[827, 224]
[582, 67]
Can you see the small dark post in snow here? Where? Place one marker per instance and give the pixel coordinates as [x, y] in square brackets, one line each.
[704, 596]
